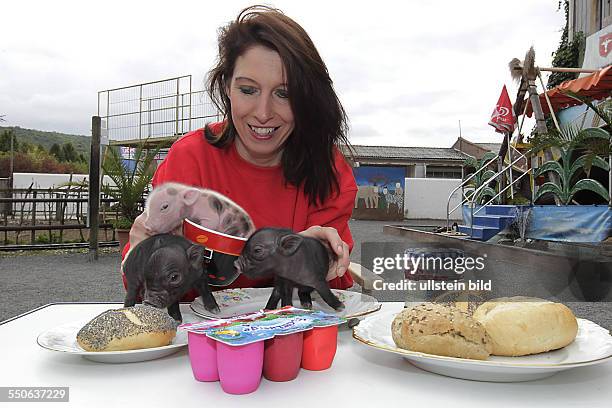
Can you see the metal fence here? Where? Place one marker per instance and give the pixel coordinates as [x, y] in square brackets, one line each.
[47, 217]
[162, 109]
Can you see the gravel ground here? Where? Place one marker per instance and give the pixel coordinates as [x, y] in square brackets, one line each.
[32, 279]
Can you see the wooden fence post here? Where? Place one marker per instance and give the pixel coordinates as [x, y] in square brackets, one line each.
[34, 205]
[94, 188]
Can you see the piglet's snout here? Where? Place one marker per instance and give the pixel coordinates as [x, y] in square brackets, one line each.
[238, 265]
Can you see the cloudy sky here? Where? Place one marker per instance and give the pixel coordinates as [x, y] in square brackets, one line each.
[406, 72]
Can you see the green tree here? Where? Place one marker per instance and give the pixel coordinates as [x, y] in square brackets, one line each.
[69, 152]
[26, 147]
[5, 141]
[57, 152]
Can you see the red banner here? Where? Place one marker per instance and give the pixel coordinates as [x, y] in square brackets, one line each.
[502, 118]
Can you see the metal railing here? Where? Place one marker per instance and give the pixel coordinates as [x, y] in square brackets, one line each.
[477, 191]
[461, 186]
[161, 109]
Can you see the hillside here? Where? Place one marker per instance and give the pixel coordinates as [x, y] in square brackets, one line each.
[47, 139]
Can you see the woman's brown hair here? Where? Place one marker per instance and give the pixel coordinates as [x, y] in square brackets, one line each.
[320, 119]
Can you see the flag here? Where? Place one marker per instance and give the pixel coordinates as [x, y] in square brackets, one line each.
[502, 118]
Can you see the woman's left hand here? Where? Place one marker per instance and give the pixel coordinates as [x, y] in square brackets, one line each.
[330, 236]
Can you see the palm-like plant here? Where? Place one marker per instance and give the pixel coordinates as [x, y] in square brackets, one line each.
[481, 175]
[569, 170]
[130, 183]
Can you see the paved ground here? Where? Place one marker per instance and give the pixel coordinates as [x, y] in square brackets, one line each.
[33, 279]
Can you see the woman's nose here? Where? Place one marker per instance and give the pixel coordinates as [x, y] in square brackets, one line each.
[263, 112]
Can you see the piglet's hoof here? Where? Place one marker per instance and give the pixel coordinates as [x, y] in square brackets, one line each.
[177, 318]
[306, 306]
[214, 309]
[340, 307]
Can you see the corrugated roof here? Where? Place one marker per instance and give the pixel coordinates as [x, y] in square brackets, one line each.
[408, 153]
[492, 147]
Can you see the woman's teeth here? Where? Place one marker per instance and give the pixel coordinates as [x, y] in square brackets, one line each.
[263, 131]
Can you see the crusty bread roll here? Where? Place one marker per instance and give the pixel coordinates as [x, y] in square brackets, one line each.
[130, 328]
[519, 326]
[442, 330]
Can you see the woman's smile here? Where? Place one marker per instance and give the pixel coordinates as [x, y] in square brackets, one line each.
[263, 133]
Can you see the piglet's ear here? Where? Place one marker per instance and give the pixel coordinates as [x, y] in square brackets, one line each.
[157, 244]
[195, 255]
[190, 196]
[289, 244]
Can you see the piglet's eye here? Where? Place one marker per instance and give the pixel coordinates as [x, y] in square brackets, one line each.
[175, 277]
[164, 207]
[258, 252]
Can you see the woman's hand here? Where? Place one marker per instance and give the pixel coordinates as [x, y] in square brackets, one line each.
[330, 236]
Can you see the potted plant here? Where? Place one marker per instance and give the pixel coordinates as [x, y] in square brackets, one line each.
[131, 180]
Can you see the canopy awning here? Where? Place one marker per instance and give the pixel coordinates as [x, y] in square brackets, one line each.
[598, 85]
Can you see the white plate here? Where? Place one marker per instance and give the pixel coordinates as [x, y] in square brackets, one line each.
[234, 302]
[593, 345]
[63, 339]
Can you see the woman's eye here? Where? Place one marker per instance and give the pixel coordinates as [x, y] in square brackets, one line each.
[282, 93]
[247, 90]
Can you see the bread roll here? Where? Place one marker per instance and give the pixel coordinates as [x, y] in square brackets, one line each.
[130, 328]
[519, 326]
[442, 330]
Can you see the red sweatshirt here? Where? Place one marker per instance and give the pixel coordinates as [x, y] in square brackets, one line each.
[261, 191]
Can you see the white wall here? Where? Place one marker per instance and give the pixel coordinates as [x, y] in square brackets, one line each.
[43, 180]
[427, 197]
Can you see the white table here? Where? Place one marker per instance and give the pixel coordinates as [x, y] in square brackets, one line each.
[360, 376]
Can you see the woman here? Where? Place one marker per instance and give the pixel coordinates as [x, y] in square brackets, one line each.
[275, 153]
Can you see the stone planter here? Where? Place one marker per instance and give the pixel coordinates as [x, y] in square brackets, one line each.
[123, 235]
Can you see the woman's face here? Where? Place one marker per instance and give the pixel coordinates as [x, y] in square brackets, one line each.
[260, 106]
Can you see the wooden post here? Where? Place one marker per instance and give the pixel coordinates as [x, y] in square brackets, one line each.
[538, 113]
[541, 128]
[34, 204]
[510, 174]
[50, 215]
[94, 188]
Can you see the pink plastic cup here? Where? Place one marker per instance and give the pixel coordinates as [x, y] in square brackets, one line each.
[320, 345]
[282, 357]
[203, 357]
[240, 367]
